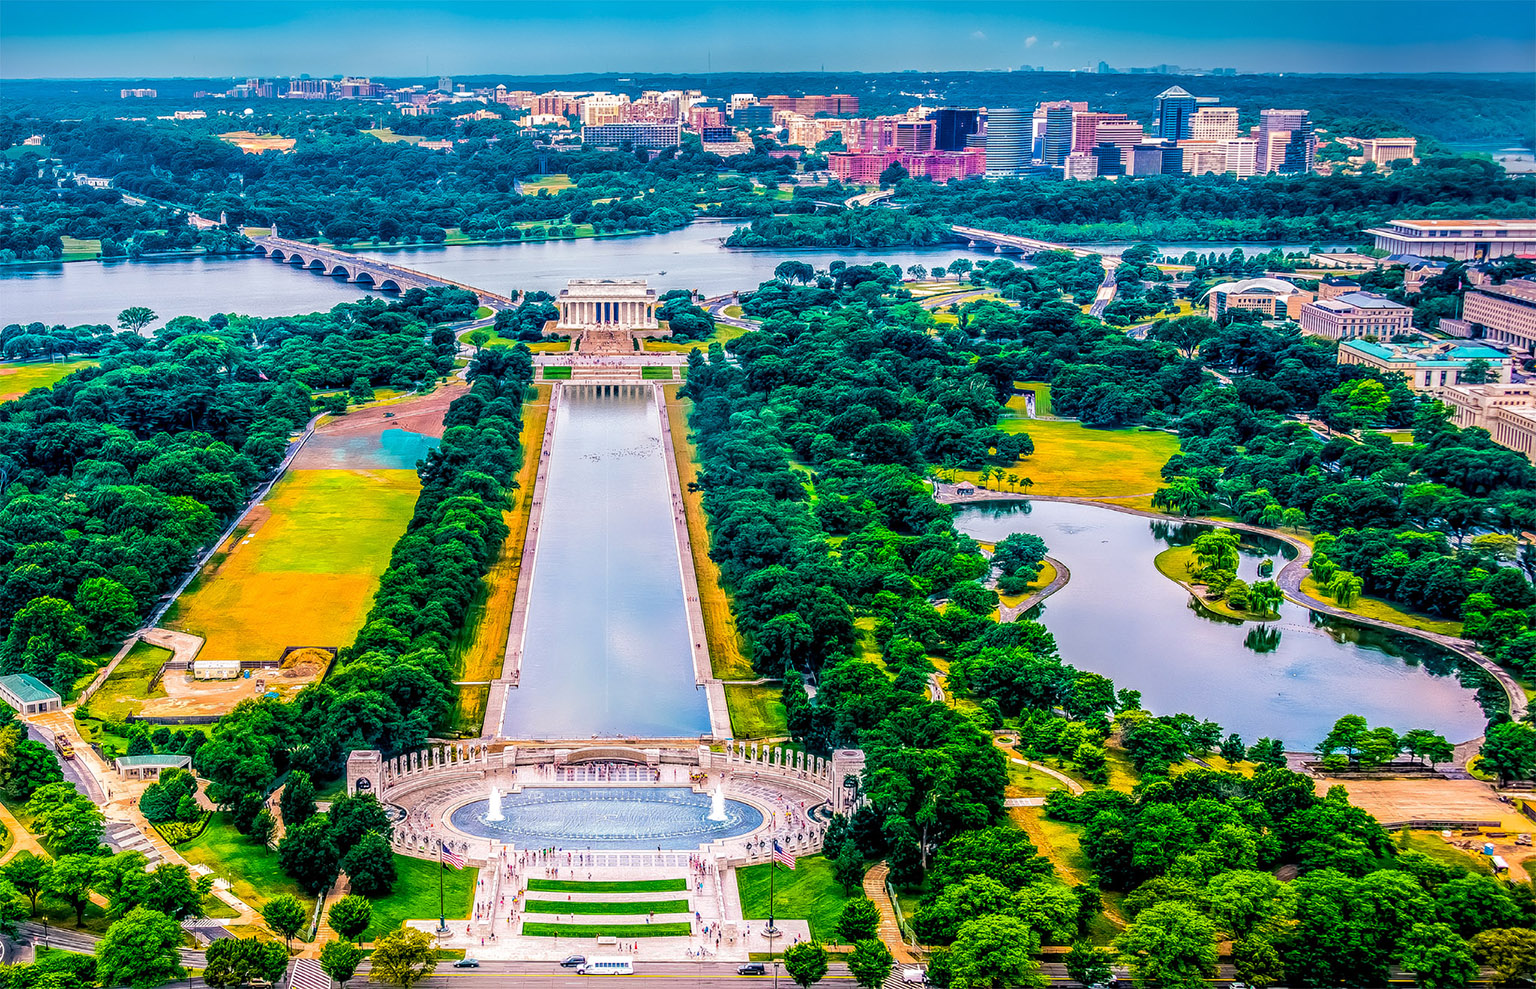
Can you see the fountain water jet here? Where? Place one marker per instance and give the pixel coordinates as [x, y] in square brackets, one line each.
[717, 804]
[494, 811]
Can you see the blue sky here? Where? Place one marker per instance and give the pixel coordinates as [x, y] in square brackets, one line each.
[160, 38]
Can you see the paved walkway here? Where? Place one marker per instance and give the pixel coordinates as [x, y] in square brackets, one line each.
[1007, 614]
[890, 930]
[22, 840]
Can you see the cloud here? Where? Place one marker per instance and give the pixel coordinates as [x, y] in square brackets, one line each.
[1055, 44]
[979, 35]
[1030, 41]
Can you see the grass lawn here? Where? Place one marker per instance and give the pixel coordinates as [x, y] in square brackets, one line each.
[76, 248]
[809, 893]
[253, 872]
[722, 335]
[757, 711]
[1030, 782]
[1431, 844]
[1368, 607]
[608, 886]
[607, 930]
[726, 656]
[635, 908]
[556, 373]
[656, 374]
[550, 347]
[1073, 460]
[1174, 562]
[390, 137]
[734, 311]
[1042, 390]
[125, 691]
[481, 647]
[554, 183]
[18, 378]
[484, 311]
[323, 536]
[415, 895]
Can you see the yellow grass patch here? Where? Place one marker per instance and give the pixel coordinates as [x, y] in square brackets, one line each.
[726, 656]
[255, 144]
[483, 647]
[304, 570]
[18, 379]
[1368, 607]
[1073, 460]
[723, 334]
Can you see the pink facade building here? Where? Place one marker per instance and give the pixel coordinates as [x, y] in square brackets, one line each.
[864, 167]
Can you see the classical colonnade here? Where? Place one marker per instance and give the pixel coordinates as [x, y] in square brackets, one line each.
[617, 313]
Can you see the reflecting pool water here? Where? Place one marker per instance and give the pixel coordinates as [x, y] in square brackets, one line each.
[607, 818]
[606, 651]
[1289, 679]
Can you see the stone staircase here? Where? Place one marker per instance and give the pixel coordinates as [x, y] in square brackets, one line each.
[124, 836]
[890, 931]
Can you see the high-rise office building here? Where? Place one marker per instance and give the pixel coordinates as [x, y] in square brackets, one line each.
[1057, 143]
[952, 126]
[1285, 141]
[1242, 156]
[1213, 123]
[1081, 167]
[1174, 108]
[753, 116]
[1008, 130]
[1109, 159]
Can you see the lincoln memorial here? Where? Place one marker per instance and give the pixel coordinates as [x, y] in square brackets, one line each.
[607, 304]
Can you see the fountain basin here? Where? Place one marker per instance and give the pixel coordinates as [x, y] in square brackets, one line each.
[606, 818]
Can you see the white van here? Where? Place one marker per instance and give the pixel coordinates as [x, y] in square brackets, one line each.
[609, 965]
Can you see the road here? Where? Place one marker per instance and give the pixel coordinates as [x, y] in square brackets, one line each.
[1106, 293]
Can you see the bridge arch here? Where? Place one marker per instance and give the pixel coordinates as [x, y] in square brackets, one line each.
[340, 269]
[316, 264]
[388, 285]
[276, 254]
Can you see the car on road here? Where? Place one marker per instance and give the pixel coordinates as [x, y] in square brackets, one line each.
[466, 963]
[752, 968]
[573, 961]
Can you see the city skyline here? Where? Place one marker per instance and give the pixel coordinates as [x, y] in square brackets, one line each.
[90, 39]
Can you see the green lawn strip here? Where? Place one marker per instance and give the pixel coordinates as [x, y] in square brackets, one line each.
[126, 690]
[253, 871]
[662, 373]
[552, 372]
[757, 710]
[808, 893]
[607, 930]
[608, 886]
[639, 908]
[415, 895]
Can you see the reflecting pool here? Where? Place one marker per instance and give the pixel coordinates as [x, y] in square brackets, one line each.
[1288, 679]
[572, 817]
[606, 651]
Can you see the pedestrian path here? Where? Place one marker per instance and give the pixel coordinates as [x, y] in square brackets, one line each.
[22, 840]
[890, 930]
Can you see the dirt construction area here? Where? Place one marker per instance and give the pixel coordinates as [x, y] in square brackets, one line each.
[1390, 801]
[184, 696]
[388, 435]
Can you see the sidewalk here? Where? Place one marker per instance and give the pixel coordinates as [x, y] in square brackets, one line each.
[890, 931]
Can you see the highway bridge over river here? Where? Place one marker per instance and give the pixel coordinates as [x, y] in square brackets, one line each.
[363, 270]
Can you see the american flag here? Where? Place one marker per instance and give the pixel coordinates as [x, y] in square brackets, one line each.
[450, 856]
[782, 857]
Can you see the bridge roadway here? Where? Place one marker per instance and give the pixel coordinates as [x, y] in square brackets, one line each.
[1028, 245]
[356, 268]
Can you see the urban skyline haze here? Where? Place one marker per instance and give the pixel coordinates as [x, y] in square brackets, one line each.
[90, 39]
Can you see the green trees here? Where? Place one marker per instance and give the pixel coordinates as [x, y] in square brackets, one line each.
[235, 963]
[870, 962]
[403, 958]
[996, 951]
[298, 801]
[286, 916]
[28, 873]
[172, 797]
[71, 879]
[140, 951]
[1018, 558]
[25, 765]
[1511, 951]
[350, 916]
[1509, 751]
[370, 865]
[308, 854]
[1169, 944]
[1438, 957]
[135, 318]
[806, 963]
[859, 921]
[340, 960]
[1087, 965]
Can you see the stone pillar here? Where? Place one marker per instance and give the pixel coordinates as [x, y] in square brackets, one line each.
[365, 772]
[847, 766]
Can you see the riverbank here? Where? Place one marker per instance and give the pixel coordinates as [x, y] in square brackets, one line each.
[1174, 563]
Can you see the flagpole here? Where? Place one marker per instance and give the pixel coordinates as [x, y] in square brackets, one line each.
[442, 913]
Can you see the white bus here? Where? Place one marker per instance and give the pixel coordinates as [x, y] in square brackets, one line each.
[610, 965]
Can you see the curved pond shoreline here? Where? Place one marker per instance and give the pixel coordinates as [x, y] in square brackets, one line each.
[1377, 688]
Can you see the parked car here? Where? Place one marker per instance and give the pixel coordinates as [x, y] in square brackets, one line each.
[466, 963]
[914, 977]
[752, 968]
[573, 961]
